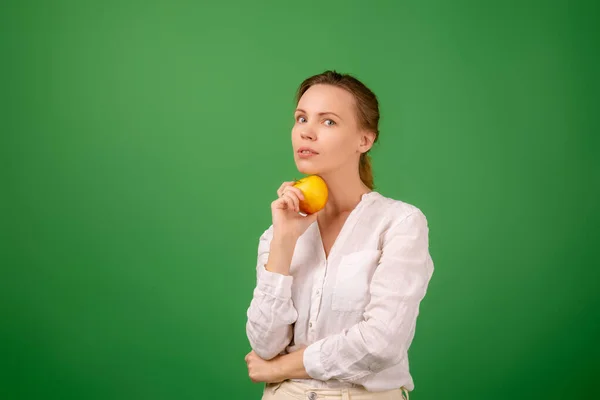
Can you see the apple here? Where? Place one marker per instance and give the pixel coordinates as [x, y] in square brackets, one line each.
[315, 193]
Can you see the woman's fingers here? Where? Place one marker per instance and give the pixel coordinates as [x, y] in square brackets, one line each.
[291, 197]
[295, 190]
[283, 186]
[283, 203]
[289, 201]
[279, 204]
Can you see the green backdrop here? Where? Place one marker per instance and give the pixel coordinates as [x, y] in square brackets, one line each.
[142, 143]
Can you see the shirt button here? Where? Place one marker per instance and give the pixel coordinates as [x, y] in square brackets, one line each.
[318, 291]
[310, 324]
[312, 396]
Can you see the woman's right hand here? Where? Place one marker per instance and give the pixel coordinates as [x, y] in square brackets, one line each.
[287, 222]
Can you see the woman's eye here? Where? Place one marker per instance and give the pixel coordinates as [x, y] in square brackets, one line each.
[301, 119]
[329, 122]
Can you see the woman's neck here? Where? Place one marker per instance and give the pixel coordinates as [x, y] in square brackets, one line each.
[345, 192]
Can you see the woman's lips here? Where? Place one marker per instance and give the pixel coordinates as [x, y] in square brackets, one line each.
[306, 152]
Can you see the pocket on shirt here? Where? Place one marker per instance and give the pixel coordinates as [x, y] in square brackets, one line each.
[351, 289]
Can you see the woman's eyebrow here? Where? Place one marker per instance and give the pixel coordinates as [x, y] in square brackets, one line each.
[320, 114]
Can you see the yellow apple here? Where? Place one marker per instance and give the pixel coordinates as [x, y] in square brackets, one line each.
[315, 193]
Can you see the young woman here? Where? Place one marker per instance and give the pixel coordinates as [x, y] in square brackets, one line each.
[334, 309]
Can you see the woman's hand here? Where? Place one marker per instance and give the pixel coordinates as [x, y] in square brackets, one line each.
[287, 220]
[278, 369]
[260, 370]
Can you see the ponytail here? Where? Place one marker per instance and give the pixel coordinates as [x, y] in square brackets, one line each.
[365, 170]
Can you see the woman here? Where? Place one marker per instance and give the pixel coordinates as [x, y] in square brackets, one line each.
[338, 292]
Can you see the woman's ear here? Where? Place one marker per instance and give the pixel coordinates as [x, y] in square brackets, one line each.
[367, 139]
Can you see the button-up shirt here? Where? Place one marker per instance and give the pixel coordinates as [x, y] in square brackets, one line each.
[355, 309]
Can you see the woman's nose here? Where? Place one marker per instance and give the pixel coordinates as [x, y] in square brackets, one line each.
[308, 134]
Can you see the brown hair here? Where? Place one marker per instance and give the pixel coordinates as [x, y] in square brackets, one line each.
[367, 110]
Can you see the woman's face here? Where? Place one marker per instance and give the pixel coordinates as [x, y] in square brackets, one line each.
[326, 135]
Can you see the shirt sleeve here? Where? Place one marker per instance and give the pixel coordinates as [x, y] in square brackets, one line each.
[384, 335]
[271, 312]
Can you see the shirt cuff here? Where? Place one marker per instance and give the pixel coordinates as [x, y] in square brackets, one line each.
[312, 361]
[275, 284]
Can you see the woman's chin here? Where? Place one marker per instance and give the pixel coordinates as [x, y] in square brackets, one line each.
[307, 169]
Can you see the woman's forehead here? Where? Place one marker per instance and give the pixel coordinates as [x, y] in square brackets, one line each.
[326, 98]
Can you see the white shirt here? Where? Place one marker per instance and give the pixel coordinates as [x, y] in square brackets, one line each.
[356, 310]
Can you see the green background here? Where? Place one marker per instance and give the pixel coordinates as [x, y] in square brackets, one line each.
[142, 143]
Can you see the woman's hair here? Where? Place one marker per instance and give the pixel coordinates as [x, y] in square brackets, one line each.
[367, 110]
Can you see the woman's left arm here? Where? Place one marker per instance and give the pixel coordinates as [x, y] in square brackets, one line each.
[386, 332]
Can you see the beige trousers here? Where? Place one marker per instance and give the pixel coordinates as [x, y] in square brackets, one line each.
[290, 390]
